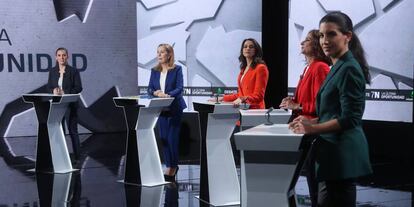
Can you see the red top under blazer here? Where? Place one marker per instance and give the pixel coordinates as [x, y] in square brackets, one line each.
[308, 87]
[253, 86]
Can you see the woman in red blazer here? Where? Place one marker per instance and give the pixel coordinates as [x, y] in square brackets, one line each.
[252, 78]
[304, 101]
[315, 72]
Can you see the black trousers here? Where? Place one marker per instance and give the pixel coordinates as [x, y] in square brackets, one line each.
[308, 147]
[71, 118]
[337, 193]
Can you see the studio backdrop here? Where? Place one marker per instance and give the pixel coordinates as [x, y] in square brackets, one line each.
[101, 37]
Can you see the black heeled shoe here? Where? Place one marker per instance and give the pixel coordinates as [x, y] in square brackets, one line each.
[171, 178]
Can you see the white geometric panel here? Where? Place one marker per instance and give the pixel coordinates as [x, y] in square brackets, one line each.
[185, 73]
[306, 14]
[385, 3]
[176, 36]
[186, 11]
[199, 81]
[381, 82]
[296, 60]
[218, 51]
[149, 4]
[402, 86]
[389, 40]
[23, 124]
[143, 76]
[357, 10]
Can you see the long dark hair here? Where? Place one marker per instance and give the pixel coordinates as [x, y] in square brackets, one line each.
[345, 25]
[317, 52]
[258, 56]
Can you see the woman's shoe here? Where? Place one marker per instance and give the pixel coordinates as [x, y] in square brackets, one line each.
[176, 170]
[171, 178]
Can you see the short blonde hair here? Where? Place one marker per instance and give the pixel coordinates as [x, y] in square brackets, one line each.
[170, 52]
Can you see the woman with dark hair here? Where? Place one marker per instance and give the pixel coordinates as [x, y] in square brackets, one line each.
[303, 102]
[317, 67]
[64, 79]
[167, 81]
[342, 149]
[252, 78]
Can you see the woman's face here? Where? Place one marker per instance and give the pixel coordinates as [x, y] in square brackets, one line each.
[162, 55]
[61, 57]
[249, 51]
[306, 45]
[333, 42]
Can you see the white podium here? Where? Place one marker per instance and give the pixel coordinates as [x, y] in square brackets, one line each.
[253, 117]
[53, 189]
[219, 184]
[141, 196]
[270, 165]
[142, 164]
[52, 152]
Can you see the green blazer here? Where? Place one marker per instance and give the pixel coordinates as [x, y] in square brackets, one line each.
[343, 154]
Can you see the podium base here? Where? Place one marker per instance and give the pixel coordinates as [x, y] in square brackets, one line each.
[233, 203]
[144, 185]
[51, 172]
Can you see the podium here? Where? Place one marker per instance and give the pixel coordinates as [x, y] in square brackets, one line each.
[143, 196]
[270, 165]
[219, 183]
[53, 189]
[253, 117]
[142, 164]
[52, 153]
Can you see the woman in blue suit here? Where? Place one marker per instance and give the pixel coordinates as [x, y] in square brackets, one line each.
[167, 81]
[342, 150]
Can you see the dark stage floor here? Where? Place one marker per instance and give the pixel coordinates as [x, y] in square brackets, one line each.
[101, 166]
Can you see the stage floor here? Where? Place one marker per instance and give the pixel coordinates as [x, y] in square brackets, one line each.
[101, 166]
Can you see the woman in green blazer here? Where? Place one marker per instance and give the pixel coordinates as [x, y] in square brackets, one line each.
[342, 150]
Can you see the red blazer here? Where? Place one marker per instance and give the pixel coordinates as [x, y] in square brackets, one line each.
[309, 85]
[253, 86]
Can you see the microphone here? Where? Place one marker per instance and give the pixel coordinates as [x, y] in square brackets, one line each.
[217, 95]
[267, 114]
[269, 110]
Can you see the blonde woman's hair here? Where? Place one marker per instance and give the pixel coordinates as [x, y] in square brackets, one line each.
[170, 51]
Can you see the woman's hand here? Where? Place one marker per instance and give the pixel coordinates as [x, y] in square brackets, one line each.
[240, 100]
[302, 125]
[289, 103]
[58, 91]
[156, 93]
[161, 94]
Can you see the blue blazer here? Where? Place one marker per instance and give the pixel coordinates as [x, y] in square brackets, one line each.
[173, 87]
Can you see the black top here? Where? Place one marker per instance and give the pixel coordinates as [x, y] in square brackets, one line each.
[71, 80]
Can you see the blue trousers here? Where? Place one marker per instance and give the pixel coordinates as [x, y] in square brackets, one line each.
[169, 128]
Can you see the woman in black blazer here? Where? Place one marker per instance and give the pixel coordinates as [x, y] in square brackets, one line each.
[64, 79]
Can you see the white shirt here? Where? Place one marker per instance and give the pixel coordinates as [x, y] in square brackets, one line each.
[163, 78]
[60, 82]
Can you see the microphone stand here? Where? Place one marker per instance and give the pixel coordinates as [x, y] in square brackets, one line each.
[268, 122]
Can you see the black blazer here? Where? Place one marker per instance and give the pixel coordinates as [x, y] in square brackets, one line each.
[71, 80]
